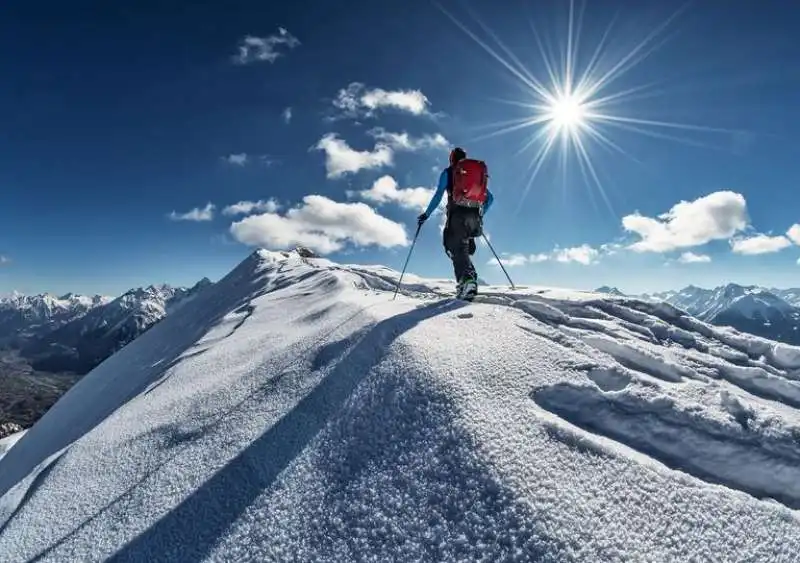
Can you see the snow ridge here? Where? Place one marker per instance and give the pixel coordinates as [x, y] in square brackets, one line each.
[294, 411]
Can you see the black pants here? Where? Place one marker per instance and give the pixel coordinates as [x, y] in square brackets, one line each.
[463, 225]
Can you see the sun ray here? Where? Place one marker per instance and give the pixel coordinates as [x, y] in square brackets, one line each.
[665, 136]
[533, 84]
[541, 156]
[640, 92]
[588, 161]
[545, 59]
[523, 124]
[634, 56]
[580, 103]
[605, 141]
[595, 59]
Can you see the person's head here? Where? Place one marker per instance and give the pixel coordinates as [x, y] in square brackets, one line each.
[457, 154]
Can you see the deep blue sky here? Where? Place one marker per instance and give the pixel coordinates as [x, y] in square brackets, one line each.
[112, 117]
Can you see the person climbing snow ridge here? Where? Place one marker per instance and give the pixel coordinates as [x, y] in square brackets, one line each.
[468, 200]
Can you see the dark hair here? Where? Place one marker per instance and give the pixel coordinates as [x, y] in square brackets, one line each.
[457, 154]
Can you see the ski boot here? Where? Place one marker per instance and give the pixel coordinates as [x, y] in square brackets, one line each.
[468, 289]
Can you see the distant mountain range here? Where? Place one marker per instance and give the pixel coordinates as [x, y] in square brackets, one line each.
[28, 316]
[771, 313]
[89, 338]
[47, 341]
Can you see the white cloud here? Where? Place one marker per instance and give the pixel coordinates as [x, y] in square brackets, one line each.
[511, 260]
[794, 234]
[321, 224]
[4, 260]
[261, 49]
[760, 244]
[248, 207]
[340, 159]
[196, 214]
[692, 258]
[287, 115]
[583, 254]
[385, 190]
[404, 141]
[356, 100]
[718, 215]
[238, 159]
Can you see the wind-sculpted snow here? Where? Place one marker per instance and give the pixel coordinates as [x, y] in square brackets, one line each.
[295, 412]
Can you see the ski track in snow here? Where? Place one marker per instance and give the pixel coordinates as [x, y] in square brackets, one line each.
[294, 412]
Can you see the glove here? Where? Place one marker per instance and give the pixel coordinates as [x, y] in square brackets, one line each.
[421, 219]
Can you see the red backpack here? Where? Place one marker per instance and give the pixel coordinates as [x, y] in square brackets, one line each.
[470, 182]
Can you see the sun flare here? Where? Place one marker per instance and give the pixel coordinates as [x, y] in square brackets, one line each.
[567, 114]
[575, 102]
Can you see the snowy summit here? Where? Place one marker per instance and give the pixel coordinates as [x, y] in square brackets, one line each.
[294, 412]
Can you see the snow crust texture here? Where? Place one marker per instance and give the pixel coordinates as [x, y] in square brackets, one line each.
[295, 412]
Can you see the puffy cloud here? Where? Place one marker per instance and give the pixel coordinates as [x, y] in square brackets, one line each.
[356, 100]
[760, 244]
[583, 254]
[341, 159]
[511, 260]
[264, 49]
[287, 115]
[197, 214]
[321, 224]
[4, 260]
[248, 207]
[692, 258]
[385, 190]
[718, 215]
[404, 141]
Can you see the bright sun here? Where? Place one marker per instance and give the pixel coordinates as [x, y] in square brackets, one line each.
[567, 113]
[569, 109]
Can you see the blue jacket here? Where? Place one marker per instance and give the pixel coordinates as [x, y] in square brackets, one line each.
[442, 188]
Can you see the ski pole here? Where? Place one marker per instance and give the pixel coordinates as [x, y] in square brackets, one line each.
[489, 244]
[396, 289]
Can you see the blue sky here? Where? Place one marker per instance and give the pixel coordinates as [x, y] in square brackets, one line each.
[117, 121]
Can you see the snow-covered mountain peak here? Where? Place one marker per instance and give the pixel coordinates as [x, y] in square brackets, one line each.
[204, 282]
[22, 314]
[761, 311]
[49, 301]
[98, 327]
[609, 290]
[750, 301]
[295, 411]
